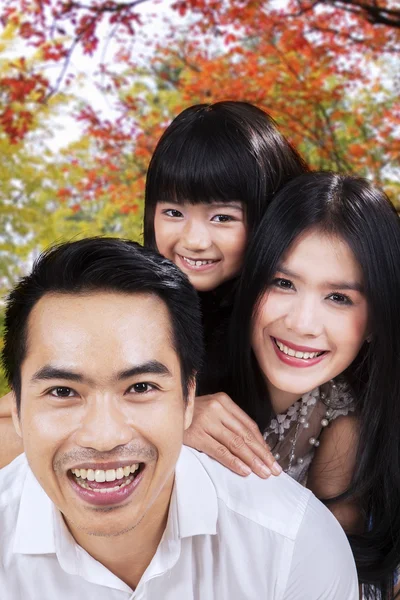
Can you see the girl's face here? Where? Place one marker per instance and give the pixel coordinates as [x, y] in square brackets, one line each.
[312, 320]
[206, 241]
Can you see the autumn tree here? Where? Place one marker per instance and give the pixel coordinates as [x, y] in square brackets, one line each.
[322, 70]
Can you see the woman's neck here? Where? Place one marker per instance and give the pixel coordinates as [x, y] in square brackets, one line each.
[280, 399]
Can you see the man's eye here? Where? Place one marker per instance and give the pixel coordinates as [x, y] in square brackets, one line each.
[284, 284]
[62, 392]
[222, 218]
[172, 212]
[141, 388]
[341, 299]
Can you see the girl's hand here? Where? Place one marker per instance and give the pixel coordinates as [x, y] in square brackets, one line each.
[5, 405]
[225, 432]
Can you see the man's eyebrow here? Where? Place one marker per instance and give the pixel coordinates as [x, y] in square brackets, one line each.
[150, 367]
[335, 285]
[49, 372]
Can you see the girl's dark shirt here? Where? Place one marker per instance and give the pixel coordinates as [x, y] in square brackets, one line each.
[216, 307]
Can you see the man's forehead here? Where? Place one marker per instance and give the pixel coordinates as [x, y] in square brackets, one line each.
[88, 326]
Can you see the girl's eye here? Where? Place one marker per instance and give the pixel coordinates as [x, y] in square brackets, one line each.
[283, 284]
[141, 388]
[340, 299]
[222, 218]
[172, 212]
[62, 392]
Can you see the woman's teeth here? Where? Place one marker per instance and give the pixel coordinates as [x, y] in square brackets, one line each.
[296, 353]
[197, 263]
[110, 475]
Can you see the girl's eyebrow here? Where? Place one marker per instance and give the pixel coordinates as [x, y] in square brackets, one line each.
[230, 204]
[338, 285]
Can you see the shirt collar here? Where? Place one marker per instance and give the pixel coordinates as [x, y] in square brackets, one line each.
[34, 533]
[196, 497]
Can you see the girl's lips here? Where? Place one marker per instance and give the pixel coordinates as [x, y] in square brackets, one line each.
[190, 267]
[292, 361]
[107, 498]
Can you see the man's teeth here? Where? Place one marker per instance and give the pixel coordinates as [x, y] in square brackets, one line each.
[104, 490]
[110, 475]
[197, 263]
[296, 353]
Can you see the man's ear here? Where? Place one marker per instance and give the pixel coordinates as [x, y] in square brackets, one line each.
[189, 405]
[15, 416]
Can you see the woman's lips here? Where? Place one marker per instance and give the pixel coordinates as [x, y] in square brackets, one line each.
[293, 361]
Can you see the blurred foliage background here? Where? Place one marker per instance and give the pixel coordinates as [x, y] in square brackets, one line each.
[328, 72]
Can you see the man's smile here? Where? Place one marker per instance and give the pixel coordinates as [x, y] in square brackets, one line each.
[106, 487]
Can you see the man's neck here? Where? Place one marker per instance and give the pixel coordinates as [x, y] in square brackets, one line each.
[129, 554]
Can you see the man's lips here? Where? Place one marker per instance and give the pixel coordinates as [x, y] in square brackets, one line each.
[106, 493]
[105, 466]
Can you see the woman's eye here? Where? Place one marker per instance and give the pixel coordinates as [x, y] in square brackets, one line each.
[62, 392]
[222, 218]
[172, 212]
[141, 388]
[340, 299]
[284, 284]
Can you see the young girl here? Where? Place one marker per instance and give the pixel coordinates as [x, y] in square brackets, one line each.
[315, 355]
[210, 180]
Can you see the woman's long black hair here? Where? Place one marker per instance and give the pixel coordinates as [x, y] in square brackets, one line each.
[224, 151]
[360, 214]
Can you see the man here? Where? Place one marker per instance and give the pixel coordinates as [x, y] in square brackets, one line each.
[102, 346]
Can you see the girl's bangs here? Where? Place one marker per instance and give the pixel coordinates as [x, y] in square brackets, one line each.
[204, 175]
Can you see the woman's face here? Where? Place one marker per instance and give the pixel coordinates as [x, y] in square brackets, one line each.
[312, 320]
[206, 241]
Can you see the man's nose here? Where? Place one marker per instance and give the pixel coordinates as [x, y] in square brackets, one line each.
[103, 425]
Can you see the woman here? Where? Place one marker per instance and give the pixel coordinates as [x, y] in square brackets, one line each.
[210, 180]
[315, 355]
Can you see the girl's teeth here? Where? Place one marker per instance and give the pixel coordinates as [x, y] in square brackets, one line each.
[196, 263]
[296, 353]
[110, 475]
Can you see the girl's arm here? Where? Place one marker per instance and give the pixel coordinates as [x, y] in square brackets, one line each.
[5, 405]
[225, 432]
[332, 468]
[10, 443]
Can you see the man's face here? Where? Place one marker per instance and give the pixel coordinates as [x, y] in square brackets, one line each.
[102, 407]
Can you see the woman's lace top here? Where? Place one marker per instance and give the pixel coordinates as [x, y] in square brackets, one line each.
[294, 435]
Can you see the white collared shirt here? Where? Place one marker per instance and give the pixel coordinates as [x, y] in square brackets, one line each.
[227, 538]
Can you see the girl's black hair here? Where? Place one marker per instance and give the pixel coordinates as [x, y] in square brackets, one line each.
[360, 214]
[224, 151]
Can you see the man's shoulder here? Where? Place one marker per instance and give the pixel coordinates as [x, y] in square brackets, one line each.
[277, 504]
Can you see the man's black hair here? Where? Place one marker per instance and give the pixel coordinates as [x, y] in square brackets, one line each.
[103, 264]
